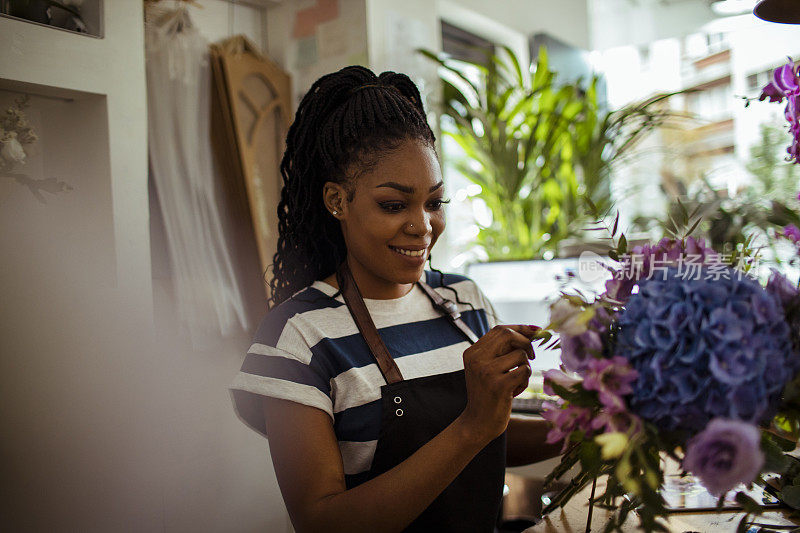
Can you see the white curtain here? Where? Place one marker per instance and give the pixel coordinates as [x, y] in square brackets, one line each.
[208, 296]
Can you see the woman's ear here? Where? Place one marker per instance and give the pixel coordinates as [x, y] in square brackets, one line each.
[333, 196]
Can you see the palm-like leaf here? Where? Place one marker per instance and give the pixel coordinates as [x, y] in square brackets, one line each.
[539, 147]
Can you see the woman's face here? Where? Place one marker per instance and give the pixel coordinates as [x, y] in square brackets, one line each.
[393, 220]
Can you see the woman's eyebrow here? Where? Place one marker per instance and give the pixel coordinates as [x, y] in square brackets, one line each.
[407, 190]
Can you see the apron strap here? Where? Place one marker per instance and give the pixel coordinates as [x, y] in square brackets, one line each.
[450, 310]
[358, 309]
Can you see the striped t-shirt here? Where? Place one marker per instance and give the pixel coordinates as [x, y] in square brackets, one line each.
[309, 350]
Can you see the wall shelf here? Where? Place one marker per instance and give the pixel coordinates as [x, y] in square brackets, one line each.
[91, 13]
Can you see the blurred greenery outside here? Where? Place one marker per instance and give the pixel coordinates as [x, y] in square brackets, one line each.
[544, 155]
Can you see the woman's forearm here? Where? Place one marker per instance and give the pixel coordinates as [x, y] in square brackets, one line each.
[391, 501]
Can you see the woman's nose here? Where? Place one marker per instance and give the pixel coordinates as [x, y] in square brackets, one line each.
[419, 224]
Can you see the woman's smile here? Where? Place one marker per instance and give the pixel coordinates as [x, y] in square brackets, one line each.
[410, 251]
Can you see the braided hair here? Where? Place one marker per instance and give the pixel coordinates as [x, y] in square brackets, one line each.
[344, 122]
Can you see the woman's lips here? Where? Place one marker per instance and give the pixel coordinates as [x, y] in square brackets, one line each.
[415, 257]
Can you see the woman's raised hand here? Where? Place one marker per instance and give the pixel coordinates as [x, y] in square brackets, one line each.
[497, 370]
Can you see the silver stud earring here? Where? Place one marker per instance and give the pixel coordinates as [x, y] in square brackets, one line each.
[335, 212]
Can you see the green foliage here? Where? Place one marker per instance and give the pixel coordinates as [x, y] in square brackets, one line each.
[632, 481]
[775, 176]
[537, 148]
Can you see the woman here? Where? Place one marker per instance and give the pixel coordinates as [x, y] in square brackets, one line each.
[383, 409]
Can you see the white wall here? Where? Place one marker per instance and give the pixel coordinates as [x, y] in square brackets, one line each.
[625, 22]
[567, 20]
[110, 421]
[217, 474]
[331, 40]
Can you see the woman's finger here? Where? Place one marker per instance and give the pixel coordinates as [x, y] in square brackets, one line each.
[518, 378]
[508, 339]
[527, 330]
[512, 359]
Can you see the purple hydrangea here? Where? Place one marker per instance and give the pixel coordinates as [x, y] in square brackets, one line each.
[782, 289]
[724, 454]
[704, 348]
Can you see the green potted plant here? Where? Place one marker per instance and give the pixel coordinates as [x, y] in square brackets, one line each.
[542, 152]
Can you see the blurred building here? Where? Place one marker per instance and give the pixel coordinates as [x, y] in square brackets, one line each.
[726, 61]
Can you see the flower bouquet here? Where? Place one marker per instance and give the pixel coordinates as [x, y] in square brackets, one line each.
[684, 355]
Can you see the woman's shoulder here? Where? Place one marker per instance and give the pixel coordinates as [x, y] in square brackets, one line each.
[465, 291]
[437, 279]
[459, 283]
[316, 298]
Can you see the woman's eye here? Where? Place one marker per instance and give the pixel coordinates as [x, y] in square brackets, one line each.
[392, 207]
[437, 204]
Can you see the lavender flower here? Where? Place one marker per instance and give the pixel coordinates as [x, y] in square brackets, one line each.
[619, 287]
[616, 420]
[724, 454]
[565, 420]
[577, 351]
[612, 379]
[566, 318]
[640, 263]
[559, 378]
[792, 233]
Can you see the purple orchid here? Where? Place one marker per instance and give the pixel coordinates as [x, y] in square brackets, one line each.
[785, 84]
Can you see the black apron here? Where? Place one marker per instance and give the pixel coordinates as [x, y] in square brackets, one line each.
[416, 410]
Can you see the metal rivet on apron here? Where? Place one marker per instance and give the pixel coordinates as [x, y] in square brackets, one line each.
[397, 399]
[399, 412]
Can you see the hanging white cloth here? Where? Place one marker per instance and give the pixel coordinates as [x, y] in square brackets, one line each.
[208, 295]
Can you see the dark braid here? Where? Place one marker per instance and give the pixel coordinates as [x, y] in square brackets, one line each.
[343, 124]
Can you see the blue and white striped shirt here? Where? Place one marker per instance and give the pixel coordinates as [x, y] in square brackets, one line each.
[309, 350]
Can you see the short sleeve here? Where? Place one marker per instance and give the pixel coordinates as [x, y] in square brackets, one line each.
[486, 304]
[268, 371]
